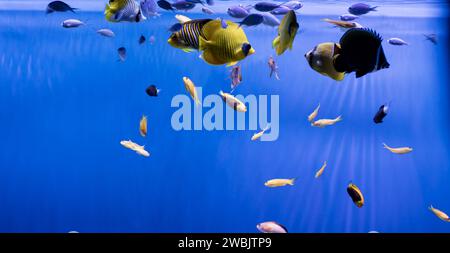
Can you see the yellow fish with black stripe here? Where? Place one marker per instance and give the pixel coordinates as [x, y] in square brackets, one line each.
[185, 35]
[123, 10]
[286, 33]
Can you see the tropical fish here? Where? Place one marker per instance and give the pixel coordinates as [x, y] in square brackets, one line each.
[273, 68]
[441, 215]
[266, 6]
[293, 5]
[190, 87]
[207, 10]
[59, 6]
[188, 34]
[149, 8]
[355, 193]
[71, 23]
[236, 76]
[142, 39]
[238, 11]
[282, 10]
[360, 51]
[123, 10]
[183, 5]
[326, 122]
[233, 102]
[252, 20]
[260, 133]
[106, 33]
[271, 227]
[278, 182]
[381, 113]
[321, 58]
[313, 115]
[343, 24]
[431, 37]
[270, 19]
[143, 126]
[224, 46]
[348, 17]
[135, 147]
[286, 33]
[320, 171]
[163, 4]
[361, 8]
[400, 151]
[152, 91]
[182, 19]
[122, 51]
[397, 42]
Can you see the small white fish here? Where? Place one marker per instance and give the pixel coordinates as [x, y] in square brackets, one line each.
[326, 122]
[373, 232]
[400, 151]
[71, 23]
[441, 215]
[271, 227]
[313, 115]
[182, 19]
[278, 182]
[259, 134]
[233, 102]
[190, 87]
[397, 42]
[106, 32]
[320, 171]
[142, 152]
[73, 232]
[135, 147]
[207, 10]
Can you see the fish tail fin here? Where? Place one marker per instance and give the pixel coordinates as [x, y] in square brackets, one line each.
[267, 127]
[73, 9]
[108, 12]
[276, 75]
[431, 208]
[339, 118]
[374, 8]
[292, 181]
[385, 146]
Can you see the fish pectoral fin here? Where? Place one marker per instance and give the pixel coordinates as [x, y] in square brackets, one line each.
[232, 63]
[188, 50]
[276, 42]
[203, 43]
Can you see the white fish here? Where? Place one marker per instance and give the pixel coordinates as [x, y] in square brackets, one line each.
[326, 122]
[348, 17]
[320, 171]
[400, 151]
[207, 10]
[106, 33]
[135, 147]
[397, 42]
[278, 182]
[259, 134]
[190, 87]
[182, 19]
[271, 227]
[233, 102]
[441, 215]
[71, 23]
[313, 115]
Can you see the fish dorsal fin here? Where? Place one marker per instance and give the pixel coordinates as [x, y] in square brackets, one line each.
[363, 35]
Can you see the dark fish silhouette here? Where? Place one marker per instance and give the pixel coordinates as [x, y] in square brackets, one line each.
[59, 6]
[252, 20]
[152, 91]
[431, 37]
[361, 52]
[142, 40]
[165, 5]
[122, 54]
[381, 113]
[266, 6]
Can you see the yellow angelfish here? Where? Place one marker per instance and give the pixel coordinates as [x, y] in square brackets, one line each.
[224, 45]
[123, 10]
[321, 59]
[286, 33]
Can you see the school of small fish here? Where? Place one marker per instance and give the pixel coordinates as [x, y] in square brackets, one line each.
[224, 42]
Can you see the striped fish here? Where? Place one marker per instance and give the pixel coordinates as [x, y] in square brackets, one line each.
[187, 35]
[123, 10]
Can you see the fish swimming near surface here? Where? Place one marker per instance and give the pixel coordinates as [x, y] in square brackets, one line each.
[321, 59]
[143, 126]
[260, 133]
[188, 34]
[348, 17]
[282, 10]
[313, 115]
[360, 52]
[233, 102]
[236, 76]
[163, 4]
[210, 2]
[355, 194]
[183, 5]
[152, 91]
[270, 19]
[287, 30]
[293, 5]
[59, 6]
[278, 182]
[123, 10]
[207, 10]
[106, 33]
[397, 42]
[400, 151]
[273, 68]
[149, 8]
[224, 46]
[431, 37]
[191, 89]
[238, 11]
[141, 40]
[72, 23]
[361, 9]
[381, 113]
[441, 215]
[326, 122]
[343, 24]
[271, 227]
[252, 20]
[321, 170]
[266, 6]
[122, 52]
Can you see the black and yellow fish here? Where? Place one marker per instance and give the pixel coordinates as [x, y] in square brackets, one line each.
[355, 194]
[185, 36]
